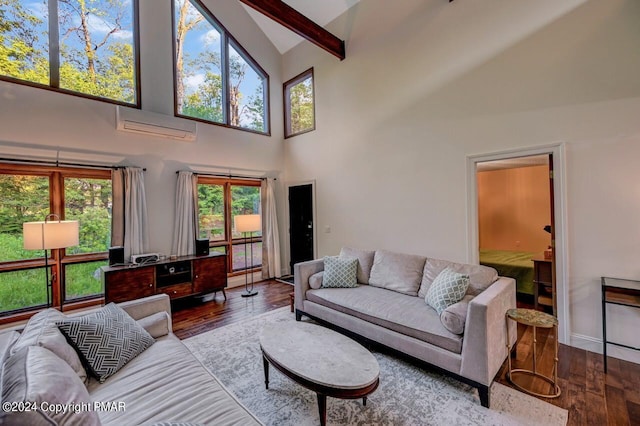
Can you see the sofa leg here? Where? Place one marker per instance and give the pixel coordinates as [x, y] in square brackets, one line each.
[483, 392]
[298, 315]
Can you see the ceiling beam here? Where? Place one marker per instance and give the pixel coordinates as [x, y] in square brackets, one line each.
[290, 18]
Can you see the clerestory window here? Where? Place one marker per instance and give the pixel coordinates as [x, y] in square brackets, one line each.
[215, 78]
[299, 104]
[83, 47]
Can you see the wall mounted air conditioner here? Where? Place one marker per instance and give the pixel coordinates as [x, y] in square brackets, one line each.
[153, 124]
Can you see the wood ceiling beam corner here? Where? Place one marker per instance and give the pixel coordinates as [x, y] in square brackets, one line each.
[290, 18]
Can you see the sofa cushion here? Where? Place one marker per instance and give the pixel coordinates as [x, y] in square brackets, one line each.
[448, 288]
[157, 325]
[397, 271]
[107, 339]
[315, 280]
[401, 313]
[365, 261]
[35, 375]
[167, 383]
[339, 272]
[41, 331]
[480, 276]
[455, 316]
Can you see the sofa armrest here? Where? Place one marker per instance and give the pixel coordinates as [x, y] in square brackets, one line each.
[301, 273]
[146, 306]
[484, 347]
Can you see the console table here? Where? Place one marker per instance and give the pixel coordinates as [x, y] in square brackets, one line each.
[617, 291]
[180, 277]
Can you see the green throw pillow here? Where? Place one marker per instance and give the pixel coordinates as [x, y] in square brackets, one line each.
[340, 272]
[448, 288]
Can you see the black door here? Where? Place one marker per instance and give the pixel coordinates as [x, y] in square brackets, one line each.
[300, 223]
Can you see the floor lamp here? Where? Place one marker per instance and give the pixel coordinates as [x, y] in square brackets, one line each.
[53, 233]
[248, 223]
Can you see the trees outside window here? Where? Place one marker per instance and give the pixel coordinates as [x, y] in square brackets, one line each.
[299, 104]
[92, 50]
[219, 201]
[29, 194]
[216, 79]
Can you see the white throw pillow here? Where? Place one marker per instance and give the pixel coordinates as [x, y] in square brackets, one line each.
[33, 376]
[41, 331]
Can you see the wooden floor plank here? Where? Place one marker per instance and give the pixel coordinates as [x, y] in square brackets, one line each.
[590, 396]
[617, 412]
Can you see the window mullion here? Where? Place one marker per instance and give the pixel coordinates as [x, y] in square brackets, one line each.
[226, 81]
[54, 45]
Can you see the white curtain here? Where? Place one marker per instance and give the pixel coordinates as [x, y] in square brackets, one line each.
[185, 224]
[129, 221]
[270, 236]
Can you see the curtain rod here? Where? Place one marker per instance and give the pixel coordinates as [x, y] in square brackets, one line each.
[230, 176]
[62, 163]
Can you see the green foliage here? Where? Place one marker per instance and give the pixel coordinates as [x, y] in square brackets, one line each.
[25, 198]
[206, 101]
[22, 199]
[100, 67]
[22, 289]
[301, 106]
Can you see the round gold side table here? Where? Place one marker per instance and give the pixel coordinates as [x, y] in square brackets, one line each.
[534, 319]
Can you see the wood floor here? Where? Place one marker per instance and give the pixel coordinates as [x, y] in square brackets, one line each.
[590, 396]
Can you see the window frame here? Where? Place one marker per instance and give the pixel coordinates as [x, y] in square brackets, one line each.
[58, 258]
[227, 40]
[54, 61]
[229, 241]
[286, 90]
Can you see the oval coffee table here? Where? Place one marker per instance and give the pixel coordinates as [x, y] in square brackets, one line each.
[321, 360]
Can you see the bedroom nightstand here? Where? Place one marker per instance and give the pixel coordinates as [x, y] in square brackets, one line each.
[544, 292]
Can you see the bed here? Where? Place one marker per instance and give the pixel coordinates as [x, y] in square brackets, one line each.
[514, 264]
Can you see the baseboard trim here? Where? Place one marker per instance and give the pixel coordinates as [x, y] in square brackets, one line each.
[592, 344]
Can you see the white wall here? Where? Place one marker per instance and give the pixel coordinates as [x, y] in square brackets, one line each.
[426, 84]
[39, 122]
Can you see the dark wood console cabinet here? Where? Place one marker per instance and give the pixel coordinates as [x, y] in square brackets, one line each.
[180, 277]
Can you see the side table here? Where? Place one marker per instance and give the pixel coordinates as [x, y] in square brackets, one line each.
[534, 319]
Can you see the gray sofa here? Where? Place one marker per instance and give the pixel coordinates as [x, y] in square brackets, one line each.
[163, 384]
[468, 341]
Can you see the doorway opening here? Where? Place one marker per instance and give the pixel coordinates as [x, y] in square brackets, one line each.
[302, 232]
[515, 217]
[516, 224]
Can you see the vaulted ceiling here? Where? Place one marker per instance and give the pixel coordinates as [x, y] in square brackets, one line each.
[321, 12]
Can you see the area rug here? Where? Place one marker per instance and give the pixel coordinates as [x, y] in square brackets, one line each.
[407, 395]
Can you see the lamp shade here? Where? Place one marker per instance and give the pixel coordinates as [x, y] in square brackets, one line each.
[50, 234]
[248, 223]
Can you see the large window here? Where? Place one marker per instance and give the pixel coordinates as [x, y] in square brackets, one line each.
[29, 194]
[219, 201]
[299, 106]
[216, 79]
[91, 51]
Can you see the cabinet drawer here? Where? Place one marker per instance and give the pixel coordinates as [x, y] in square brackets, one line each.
[176, 290]
[128, 284]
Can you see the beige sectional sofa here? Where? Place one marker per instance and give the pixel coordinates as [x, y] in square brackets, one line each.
[164, 384]
[467, 341]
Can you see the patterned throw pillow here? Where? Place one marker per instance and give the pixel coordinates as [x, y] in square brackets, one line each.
[340, 272]
[106, 339]
[448, 288]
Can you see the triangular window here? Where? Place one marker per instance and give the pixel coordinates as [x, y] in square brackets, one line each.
[215, 78]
